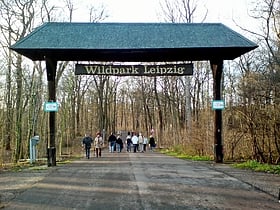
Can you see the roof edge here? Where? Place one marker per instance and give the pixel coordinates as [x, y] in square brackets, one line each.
[32, 33]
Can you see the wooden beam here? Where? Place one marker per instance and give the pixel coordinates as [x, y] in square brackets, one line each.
[217, 70]
[51, 65]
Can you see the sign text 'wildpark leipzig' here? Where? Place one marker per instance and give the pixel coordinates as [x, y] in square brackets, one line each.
[135, 70]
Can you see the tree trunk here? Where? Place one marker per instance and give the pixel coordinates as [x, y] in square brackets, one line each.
[19, 76]
[160, 114]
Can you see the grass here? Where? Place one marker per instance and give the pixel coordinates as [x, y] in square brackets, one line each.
[260, 167]
[182, 155]
[23, 165]
[37, 166]
[250, 164]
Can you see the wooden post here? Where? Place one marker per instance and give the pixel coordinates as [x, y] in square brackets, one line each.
[51, 74]
[217, 70]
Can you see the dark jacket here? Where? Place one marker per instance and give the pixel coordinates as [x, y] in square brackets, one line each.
[112, 139]
[119, 141]
[87, 141]
[152, 142]
[128, 141]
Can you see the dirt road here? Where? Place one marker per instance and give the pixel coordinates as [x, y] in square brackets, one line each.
[134, 181]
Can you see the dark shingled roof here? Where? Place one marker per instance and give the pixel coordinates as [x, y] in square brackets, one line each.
[133, 42]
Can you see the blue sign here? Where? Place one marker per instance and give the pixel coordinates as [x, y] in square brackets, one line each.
[51, 107]
[218, 104]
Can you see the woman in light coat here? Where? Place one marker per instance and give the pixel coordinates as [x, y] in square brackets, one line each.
[98, 143]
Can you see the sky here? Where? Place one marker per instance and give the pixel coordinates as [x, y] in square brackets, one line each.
[228, 12]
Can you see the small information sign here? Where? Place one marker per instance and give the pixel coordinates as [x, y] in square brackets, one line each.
[51, 107]
[218, 104]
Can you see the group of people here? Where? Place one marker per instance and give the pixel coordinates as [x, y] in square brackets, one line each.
[97, 143]
[136, 141]
[115, 143]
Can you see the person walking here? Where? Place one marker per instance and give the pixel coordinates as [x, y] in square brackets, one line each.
[87, 141]
[98, 143]
[152, 143]
[140, 141]
[134, 142]
[119, 144]
[112, 141]
[128, 142]
[145, 142]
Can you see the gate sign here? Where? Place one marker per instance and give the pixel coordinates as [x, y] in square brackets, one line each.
[51, 107]
[218, 104]
[135, 70]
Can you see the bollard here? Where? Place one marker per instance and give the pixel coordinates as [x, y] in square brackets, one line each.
[32, 148]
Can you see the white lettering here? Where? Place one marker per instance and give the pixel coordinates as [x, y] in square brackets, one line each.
[91, 69]
[180, 69]
[146, 71]
[101, 70]
[163, 70]
[115, 70]
[108, 70]
[128, 70]
[134, 70]
[152, 70]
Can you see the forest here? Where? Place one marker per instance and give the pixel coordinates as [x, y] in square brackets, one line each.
[177, 108]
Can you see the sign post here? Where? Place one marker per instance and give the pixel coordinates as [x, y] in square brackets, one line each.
[218, 105]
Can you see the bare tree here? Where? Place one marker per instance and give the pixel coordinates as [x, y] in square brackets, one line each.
[97, 14]
[183, 11]
[18, 17]
[7, 18]
[176, 11]
[46, 11]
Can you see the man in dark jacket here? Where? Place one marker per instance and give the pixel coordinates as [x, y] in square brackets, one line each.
[152, 143]
[87, 141]
[112, 142]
